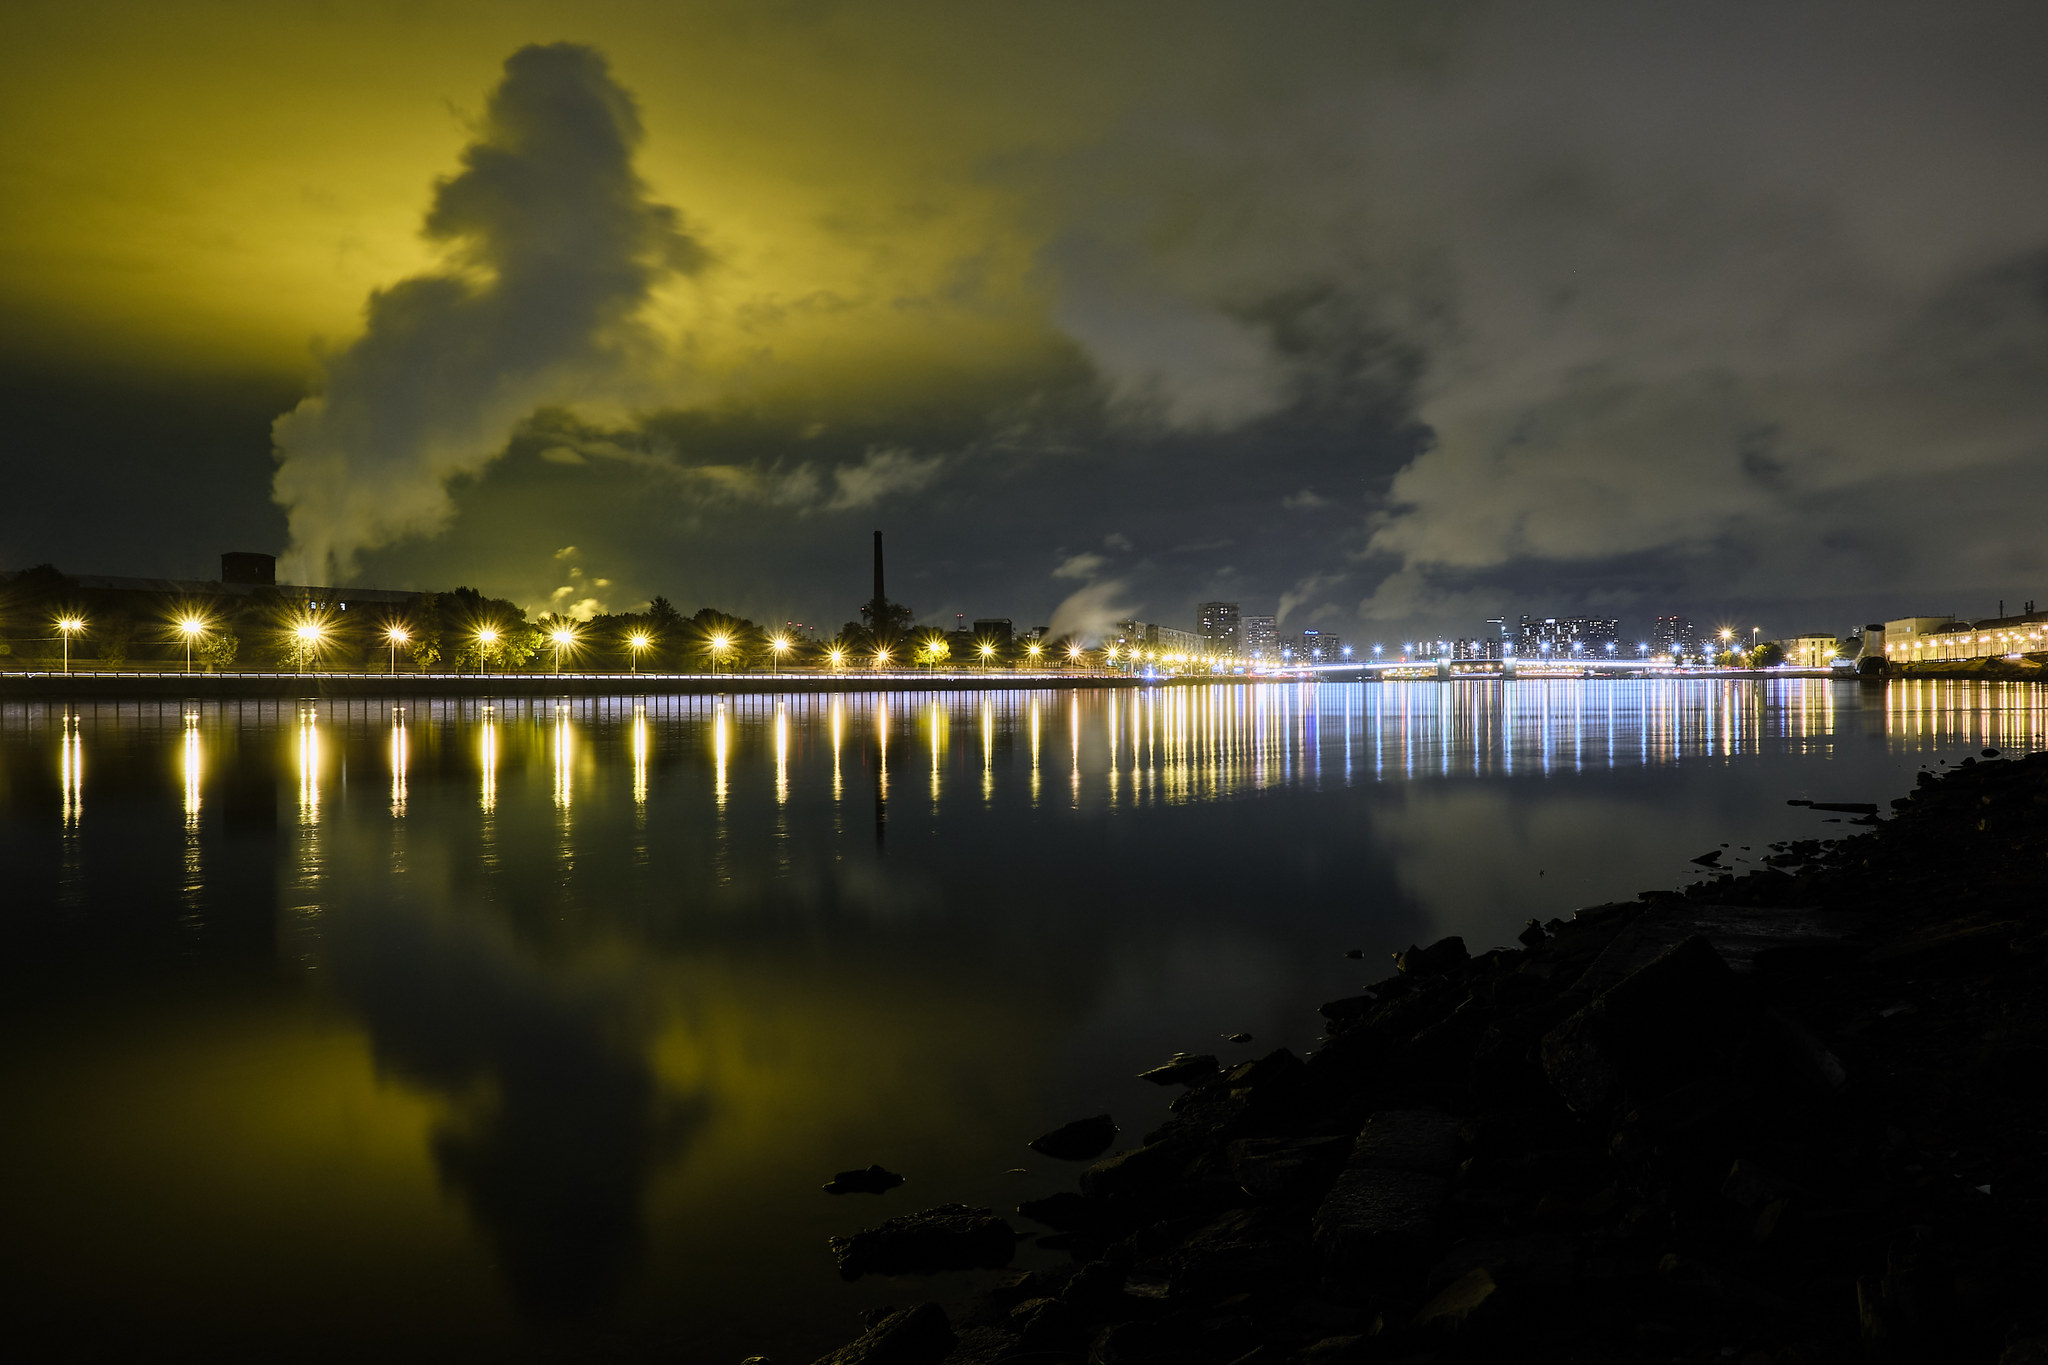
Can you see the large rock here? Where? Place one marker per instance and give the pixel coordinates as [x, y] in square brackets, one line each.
[1424, 1140]
[1284, 1168]
[1077, 1141]
[1184, 1069]
[1139, 1173]
[1377, 1217]
[908, 1336]
[1642, 1034]
[949, 1237]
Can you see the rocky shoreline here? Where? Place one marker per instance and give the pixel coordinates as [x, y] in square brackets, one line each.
[1791, 1116]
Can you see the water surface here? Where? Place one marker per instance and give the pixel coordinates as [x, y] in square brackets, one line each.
[528, 1031]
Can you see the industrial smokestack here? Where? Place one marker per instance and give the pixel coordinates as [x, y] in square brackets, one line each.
[879, 599]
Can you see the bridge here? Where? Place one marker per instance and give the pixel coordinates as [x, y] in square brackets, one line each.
[1447, 669]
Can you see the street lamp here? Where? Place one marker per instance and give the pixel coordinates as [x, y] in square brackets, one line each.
[486, 636]
[836, 657]
[189, 627]
[69, 626]
[564, 638]
[780, 644]
[987, 652]
[308, 635]
[718, 644]
[396, 636]
[882, 657]
[1034, 649]
[1074, 652]
[637, 642]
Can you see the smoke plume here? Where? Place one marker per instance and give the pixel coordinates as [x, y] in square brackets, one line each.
[552, 248]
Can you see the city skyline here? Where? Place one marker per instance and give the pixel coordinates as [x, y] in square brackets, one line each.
[1734, 314]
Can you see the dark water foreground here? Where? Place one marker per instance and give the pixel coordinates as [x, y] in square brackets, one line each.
[445, 1032]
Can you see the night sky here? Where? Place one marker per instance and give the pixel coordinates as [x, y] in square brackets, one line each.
[1386, 317]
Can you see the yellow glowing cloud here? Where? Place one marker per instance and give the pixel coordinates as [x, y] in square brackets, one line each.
[211, 187]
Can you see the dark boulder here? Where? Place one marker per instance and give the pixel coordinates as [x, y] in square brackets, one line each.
[873, 1180]
[1440, 956]
[949, 1237]
[1184, 1069]
[906, 1336]
[1077, 1141]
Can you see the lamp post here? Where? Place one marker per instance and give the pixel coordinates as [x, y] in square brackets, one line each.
[1034, 649]
[836, 657]
[486, 636]
[987, 652]
[718, 646]
[189, 627]
[396, 636]
[69, 626]
[308, 635]
[563, 638]
[780, 646]
[881, 658]
[636, 643]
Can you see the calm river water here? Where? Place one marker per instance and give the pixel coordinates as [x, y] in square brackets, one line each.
[461, 1032]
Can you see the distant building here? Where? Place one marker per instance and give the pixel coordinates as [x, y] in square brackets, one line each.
[1155, 639]
[1564, 637]
[1485, 647]
[1932, 639]
[1220, 629]
[996, 630]
[1674, 635]
[1316, 647]
[1261, 637]
[1812, 651]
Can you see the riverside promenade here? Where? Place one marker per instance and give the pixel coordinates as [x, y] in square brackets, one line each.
[95, 684]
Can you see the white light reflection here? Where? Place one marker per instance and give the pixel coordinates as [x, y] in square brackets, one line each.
[399, 756]
[71, 770]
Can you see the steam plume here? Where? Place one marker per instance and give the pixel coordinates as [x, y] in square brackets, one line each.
[553, 246]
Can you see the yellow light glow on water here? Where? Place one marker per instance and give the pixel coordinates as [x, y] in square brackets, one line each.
[487, 756]
[988, 751]
[71, 772]
[398, 760]
[639, 754]
[781, 754]
[565, 756]
[309, 765]
[1034, 752]
[192, 771]
[882, 745]
[721, 749]
[838, 714]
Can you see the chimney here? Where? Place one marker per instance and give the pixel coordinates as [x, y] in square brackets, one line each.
[879, 599]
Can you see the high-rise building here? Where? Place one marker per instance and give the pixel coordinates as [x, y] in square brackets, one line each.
[1261, 638]
[1675, 636]
[1562, 637]
[1316, 647]
[1219, 626]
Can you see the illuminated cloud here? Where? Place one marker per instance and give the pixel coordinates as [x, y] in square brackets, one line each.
[553, 248]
